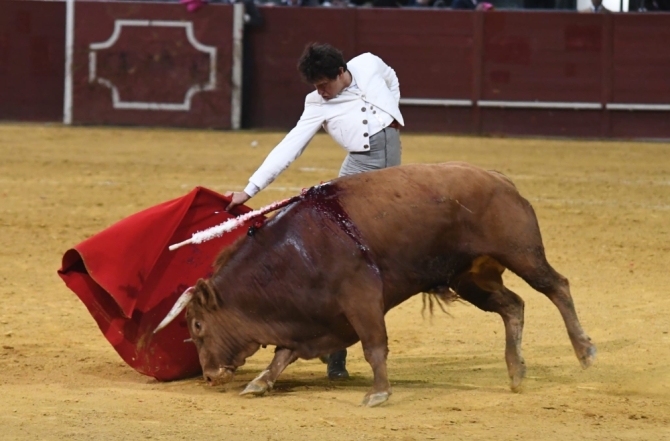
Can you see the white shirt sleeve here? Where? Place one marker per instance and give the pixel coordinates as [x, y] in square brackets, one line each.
[288, 150]
[251, 189]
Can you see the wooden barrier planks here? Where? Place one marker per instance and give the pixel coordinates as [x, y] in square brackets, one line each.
[152, 64]
[32, 58]
[507, 72]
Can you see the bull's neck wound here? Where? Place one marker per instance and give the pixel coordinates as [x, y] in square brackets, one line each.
[326, 200]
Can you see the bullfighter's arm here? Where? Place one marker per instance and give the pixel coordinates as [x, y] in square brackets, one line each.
[288, 150]
[390, 77]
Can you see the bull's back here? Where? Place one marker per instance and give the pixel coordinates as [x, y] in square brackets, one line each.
[425, 222]
[419, 200]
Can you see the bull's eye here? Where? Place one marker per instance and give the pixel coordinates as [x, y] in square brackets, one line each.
[197, 328]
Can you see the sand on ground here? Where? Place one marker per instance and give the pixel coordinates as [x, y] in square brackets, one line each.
[604, 211]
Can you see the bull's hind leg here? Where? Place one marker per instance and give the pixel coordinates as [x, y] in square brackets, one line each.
[266, 379]
[536, 271]
[363, 304]
[483, 287]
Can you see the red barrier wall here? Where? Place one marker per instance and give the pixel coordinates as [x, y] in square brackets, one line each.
[552, 57]
[640, 73]
[497, 60]
[278, 93]
[142, 71]
[546, 57]
[431, 53]
[502, 72]
[32, 54]
[641, 58]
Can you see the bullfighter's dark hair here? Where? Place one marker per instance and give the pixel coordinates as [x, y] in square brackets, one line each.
[319, 61]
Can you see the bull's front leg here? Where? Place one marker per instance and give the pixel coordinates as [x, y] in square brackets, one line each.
[266, 379]
[381, 388]
[363, 306]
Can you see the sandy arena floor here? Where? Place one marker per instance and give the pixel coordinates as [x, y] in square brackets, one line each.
[604, 210]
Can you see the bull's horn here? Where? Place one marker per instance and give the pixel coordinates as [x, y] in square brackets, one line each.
[178, 307]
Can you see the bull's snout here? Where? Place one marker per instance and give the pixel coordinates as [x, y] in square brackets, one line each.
[215, 377]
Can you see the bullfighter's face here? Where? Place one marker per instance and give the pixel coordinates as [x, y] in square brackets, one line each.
[330, 88]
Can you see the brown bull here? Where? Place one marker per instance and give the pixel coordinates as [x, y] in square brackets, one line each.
[322, 274]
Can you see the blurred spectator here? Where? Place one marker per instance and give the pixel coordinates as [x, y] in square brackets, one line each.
[252, 16]
[596, 6]
[464, 4]
[430, 3]
[471, 4]
[335, 3]
[192, 5]
[539, 4]
[299, 3]
[389, 3]
[652, 5]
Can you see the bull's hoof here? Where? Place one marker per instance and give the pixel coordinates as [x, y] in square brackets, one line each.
[256, 388]
[516, 378]
[588, 357]
[375, 399]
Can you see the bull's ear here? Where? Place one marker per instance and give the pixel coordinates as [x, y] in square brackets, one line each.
[205, 295]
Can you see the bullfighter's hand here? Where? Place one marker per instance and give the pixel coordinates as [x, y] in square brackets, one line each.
[237, 198]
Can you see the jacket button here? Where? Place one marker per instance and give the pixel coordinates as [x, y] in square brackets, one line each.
[365, 121]
[374, 111]
[365, 134]
[366, 146]
[362, 109]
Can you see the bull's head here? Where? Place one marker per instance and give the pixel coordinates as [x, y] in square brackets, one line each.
[201, 304]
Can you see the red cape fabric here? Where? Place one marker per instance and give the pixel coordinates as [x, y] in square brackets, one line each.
[129, 280]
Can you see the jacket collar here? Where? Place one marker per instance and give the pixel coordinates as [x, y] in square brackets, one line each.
[359, 77]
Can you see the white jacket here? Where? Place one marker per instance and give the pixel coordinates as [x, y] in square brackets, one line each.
[340, 116]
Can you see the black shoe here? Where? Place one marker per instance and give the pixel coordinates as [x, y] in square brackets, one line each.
[337, 365]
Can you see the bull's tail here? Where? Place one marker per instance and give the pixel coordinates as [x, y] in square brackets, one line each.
[441, 296]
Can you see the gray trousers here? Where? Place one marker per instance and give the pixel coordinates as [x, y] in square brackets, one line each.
[385, 151]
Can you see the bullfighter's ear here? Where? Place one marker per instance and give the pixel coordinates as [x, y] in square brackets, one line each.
[205, 295]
